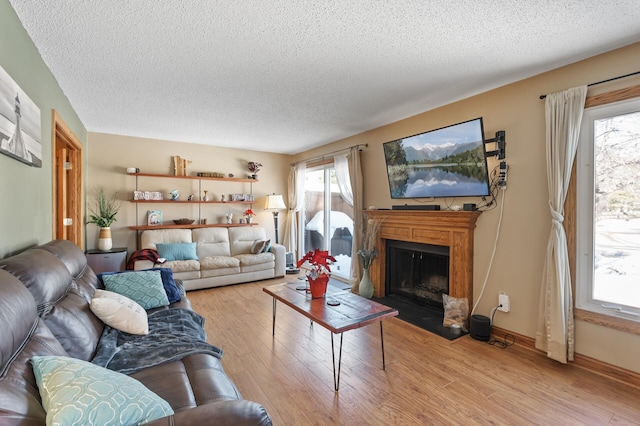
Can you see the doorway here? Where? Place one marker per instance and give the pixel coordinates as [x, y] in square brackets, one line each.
[67, 183]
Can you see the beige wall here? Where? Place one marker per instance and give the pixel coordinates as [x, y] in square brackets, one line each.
[519, 256]
[110, 155]
[517, 267]
[26, 192]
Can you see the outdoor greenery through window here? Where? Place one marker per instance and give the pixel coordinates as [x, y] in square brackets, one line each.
[608, 268]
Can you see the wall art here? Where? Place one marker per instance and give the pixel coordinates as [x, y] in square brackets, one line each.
[20, 134]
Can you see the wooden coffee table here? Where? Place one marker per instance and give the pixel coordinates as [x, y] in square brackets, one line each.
[352, 312]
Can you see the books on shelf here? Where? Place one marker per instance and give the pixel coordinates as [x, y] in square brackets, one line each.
[154, 217]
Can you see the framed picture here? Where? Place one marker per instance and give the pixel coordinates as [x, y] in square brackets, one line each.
[20, 134]
[154, 217]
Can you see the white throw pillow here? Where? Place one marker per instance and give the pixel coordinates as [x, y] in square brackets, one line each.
[120, 312]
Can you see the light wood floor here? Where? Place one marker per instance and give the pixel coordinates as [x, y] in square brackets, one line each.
[428, 380]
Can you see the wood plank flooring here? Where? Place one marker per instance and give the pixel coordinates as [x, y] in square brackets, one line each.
[428, 381]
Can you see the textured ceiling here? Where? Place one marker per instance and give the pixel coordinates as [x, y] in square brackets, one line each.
[287, 75]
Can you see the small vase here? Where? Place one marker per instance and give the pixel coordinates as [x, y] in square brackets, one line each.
[249, 219]
[318, 286]
[104, 239]
[365, 289]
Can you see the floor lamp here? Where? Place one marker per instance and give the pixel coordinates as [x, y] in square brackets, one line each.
[275, 203]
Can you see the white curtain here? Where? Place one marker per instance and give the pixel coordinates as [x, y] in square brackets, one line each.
[295, 198]
[357, 188]
[563, 114]
[341, 165]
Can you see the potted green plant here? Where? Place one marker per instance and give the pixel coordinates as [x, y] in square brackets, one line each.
[103, 213]
[318, 275]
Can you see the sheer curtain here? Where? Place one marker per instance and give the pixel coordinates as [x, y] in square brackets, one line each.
[563, 114]
[295, 198]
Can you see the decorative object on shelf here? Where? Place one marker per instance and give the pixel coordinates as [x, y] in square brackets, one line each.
[180, 165]
[205, 197]
[103, 213]
[241, 221]
[174, 195]
[154, 217]
[230, 175]
[183, 221]
[190, 197]
[254, 168]
[147, 195]
[320, 272]
[275, 203]
[367, 254]
[133, 170]
[203, 221]
[229, 217]
[248, 214]
[211, 174]
[223, 198]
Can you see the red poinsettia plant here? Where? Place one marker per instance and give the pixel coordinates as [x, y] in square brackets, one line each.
[249, 212]
[319, 260]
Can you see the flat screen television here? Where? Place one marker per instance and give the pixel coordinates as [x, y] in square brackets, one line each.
[445, 162]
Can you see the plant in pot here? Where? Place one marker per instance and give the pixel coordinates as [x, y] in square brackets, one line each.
[248, 214]
[318, 275]
[103, 213]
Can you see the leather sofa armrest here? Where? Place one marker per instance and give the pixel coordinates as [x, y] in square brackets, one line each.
[237, 413]
[279, 252]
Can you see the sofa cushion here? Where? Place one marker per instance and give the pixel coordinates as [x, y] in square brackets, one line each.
[144, 287]
[168, 282]
[241, 238]
[62, 299]
[120, 312]
[78, 392]
[212, 242]
[150, 238]
[256, 262]
[177, 251]
[219, 272]
[214, 262]
[183, 266]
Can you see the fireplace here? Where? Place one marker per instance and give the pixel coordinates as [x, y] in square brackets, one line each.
[446, 230]
[417, 272]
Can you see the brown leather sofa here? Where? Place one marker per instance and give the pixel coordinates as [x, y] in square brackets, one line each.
[44, 310]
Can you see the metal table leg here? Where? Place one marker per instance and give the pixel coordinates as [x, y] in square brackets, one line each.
[273, 322]
[336, 378]
[382, 345]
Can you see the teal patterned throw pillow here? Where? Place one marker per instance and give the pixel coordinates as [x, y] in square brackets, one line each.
[76, 392]
[143, 287]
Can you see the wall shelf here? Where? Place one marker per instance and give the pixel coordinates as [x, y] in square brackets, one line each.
[192, 226]
[196, 224]
[156, 175]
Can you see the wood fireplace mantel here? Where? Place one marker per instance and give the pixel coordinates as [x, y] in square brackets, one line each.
[453, 229]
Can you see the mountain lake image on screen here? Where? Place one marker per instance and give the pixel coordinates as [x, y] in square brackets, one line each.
[445, 162]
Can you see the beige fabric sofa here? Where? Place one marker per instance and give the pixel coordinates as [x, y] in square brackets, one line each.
[224, 256]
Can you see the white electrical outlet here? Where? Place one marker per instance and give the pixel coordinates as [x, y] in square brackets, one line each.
[504, 302]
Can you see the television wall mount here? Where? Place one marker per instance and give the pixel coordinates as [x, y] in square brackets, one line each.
[500, 141]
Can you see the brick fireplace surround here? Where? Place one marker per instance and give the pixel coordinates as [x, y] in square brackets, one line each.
[443, 228]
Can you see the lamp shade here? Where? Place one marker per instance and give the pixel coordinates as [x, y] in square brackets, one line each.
[274, 202]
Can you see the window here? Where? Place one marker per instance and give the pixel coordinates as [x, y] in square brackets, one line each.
[608, 211]
[327, 218]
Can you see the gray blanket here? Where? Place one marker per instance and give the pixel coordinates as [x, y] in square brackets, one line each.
[173, 334]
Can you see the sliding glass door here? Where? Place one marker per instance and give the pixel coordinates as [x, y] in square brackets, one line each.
[327, 219]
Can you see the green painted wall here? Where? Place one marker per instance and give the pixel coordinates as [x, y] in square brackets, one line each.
[25, 191]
